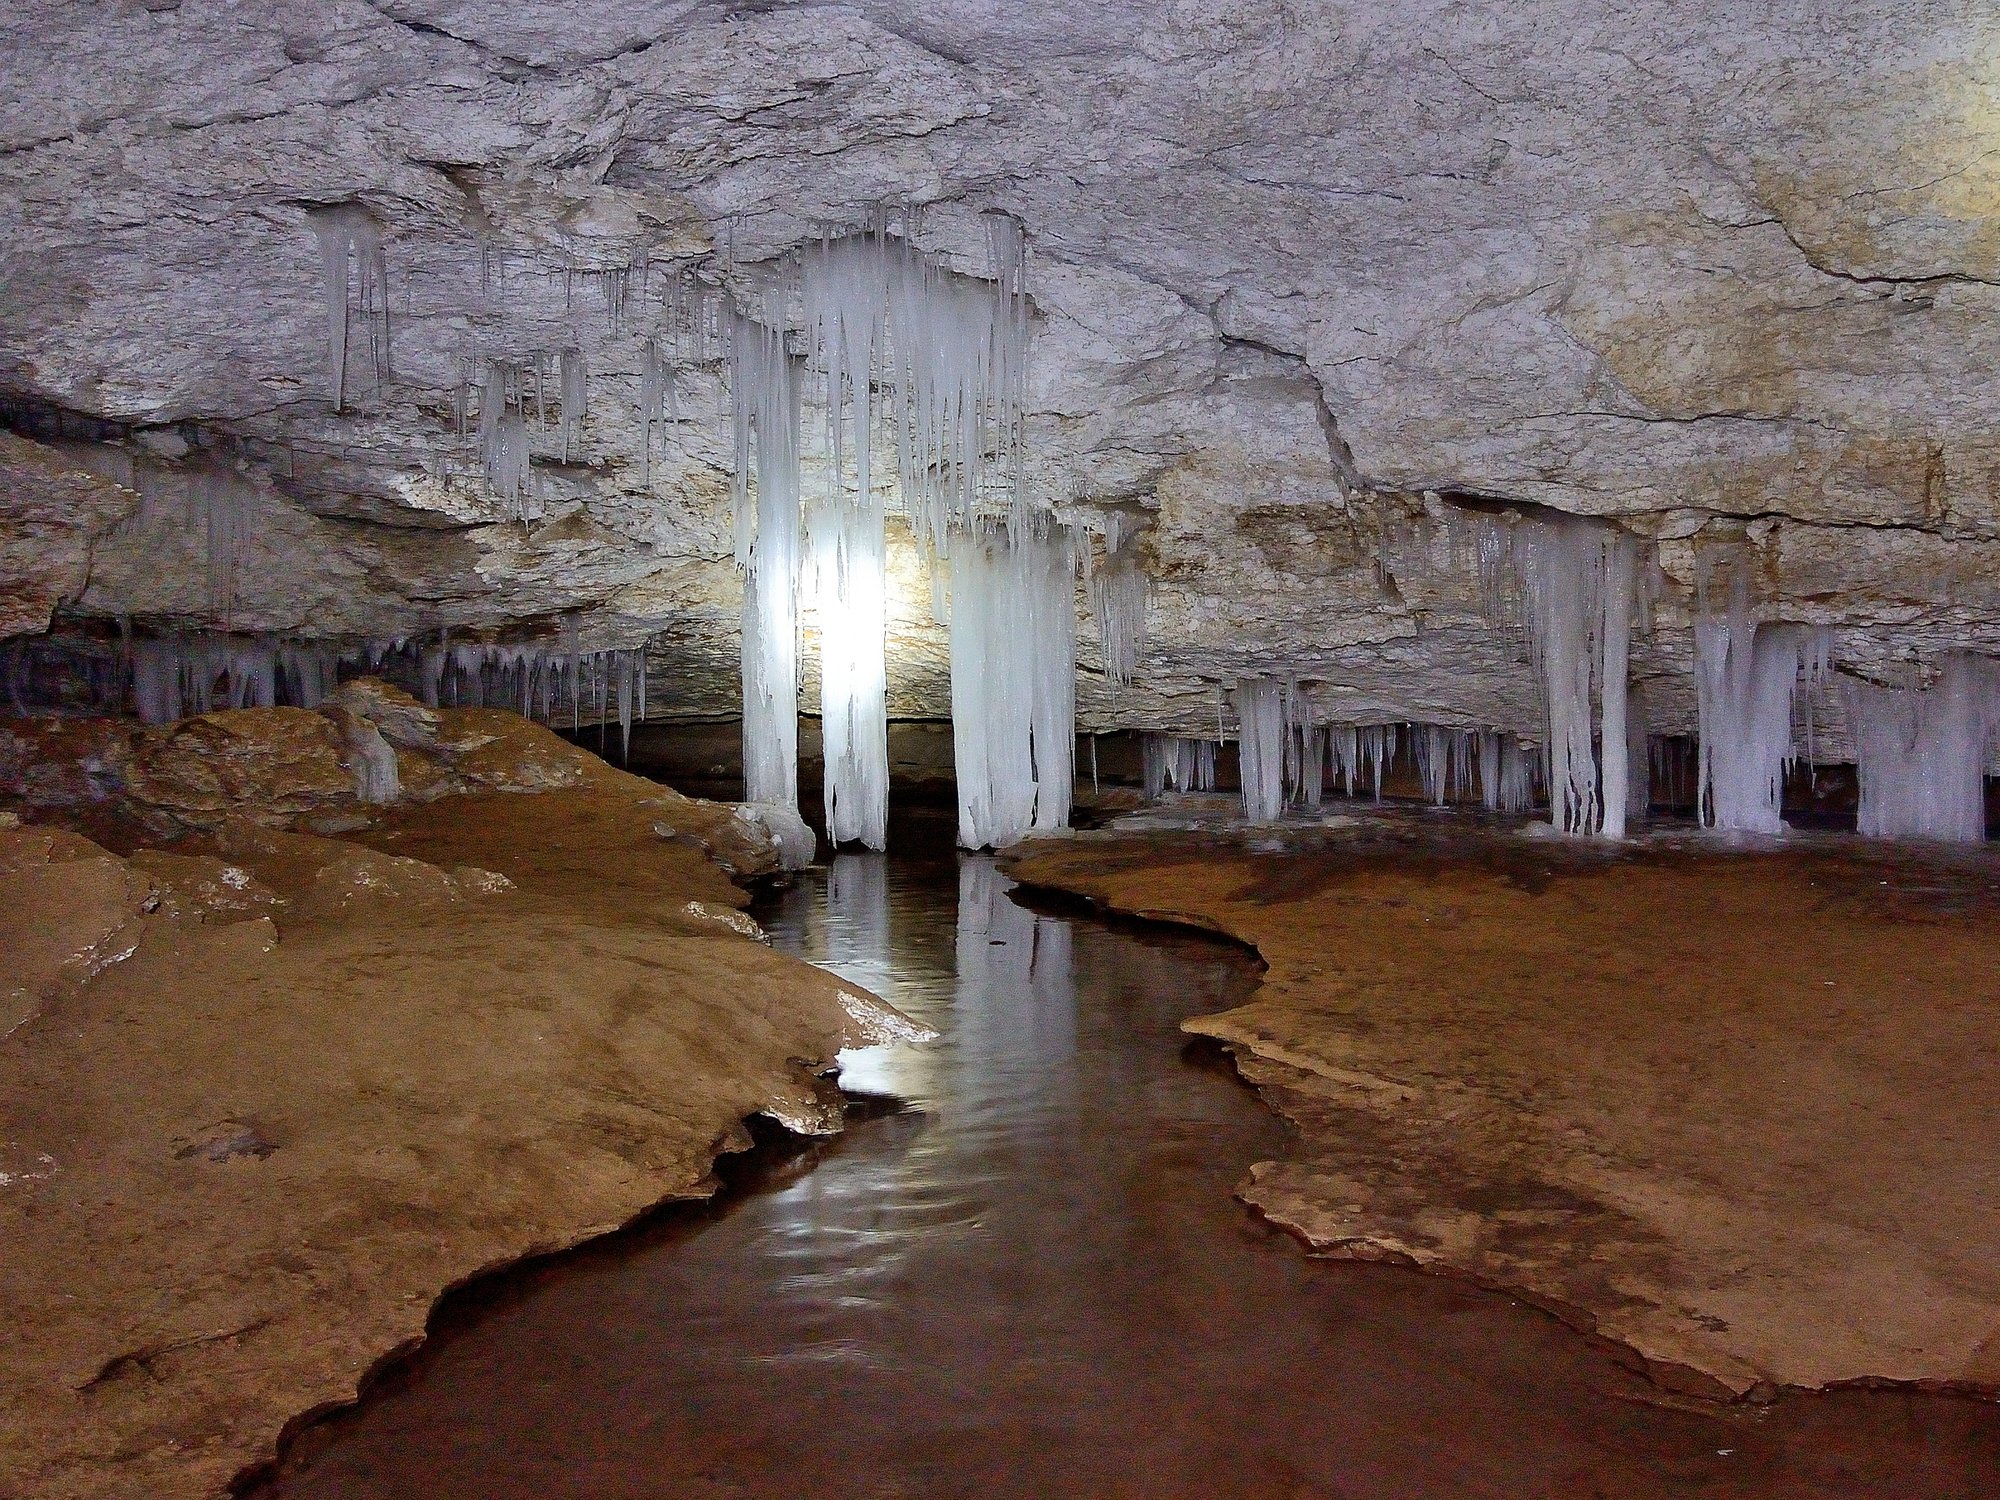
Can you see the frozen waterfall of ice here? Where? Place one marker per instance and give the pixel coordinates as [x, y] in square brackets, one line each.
[1578, 580]
[1921, 754]
[1747, 679]
[1262, 714]
[1013, 682]
[765, 384]
[893, 340]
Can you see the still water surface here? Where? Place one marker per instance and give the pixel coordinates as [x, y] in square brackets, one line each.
[1021, 1273]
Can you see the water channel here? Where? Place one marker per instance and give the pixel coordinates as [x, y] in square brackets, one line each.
[1021, 1272]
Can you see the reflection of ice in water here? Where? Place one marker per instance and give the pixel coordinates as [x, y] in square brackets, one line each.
[1003, 998]
[1016, 1010]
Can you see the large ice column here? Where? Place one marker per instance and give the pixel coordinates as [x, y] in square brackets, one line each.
[1562, 570]
[1921, 756]
[765, 386]
[1013, 667]
[845, 289]
[1579, 581]
[1261, 718]
[1747, 678]
[1620, 566]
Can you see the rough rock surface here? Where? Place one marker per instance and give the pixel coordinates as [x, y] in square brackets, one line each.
[1715, 270]
[262, 1101]
[290, 768]
[1599, 1081]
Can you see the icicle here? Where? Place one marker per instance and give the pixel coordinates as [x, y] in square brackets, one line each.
[1118, 599]
[623, 661]
[1260, 715]
[348, 230]
[1746, 682]
[1013, 679]
[1921, 756]
[503, 434]
[1620, 561]
[574, 398]
[654, 375]
[765, 386]
[844, 308]
[1578, 579]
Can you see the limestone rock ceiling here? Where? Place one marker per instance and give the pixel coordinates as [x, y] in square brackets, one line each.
[1293, 266]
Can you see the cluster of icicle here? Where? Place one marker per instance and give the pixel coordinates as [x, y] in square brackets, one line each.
[536, 679]
[506, 388]
[1582, 587]
[1285, 756]
[1921, 754]
[1176, 763]
[894, 342]
[177, 675]
[1013, 681]
[1748, 681]
[193, 673]
[1118, 593]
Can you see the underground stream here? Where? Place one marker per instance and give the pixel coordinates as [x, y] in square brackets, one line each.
[1021, 1271]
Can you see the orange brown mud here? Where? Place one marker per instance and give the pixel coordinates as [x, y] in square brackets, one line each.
[1737, 1110]
[265, 1095]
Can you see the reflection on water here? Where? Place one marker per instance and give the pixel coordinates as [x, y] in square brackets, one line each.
[1031, 1280]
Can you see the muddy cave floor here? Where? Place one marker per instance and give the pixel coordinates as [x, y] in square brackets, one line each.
[1020, 1271]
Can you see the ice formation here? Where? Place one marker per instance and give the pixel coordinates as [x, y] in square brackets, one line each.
[765, 384]
[1578, 581]
[532, 678]
[503, 433]
[1506, 773]
[177, 675]
[575, 400]
[1118, 593]
[1013, 681]
[1747, 680]
[1262, 716]
[895, 343]
[1172, 761]
[351, 260]
[1921, 755]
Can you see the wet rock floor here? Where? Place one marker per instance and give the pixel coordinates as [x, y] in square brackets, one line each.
[1022, 1272]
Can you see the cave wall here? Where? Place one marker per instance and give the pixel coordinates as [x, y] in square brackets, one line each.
[1303, 276]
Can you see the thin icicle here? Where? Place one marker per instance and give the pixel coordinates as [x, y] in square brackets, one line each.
[348, 233]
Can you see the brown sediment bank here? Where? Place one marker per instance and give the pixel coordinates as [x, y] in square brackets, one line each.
[1737, 1110]
[265, 1095]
